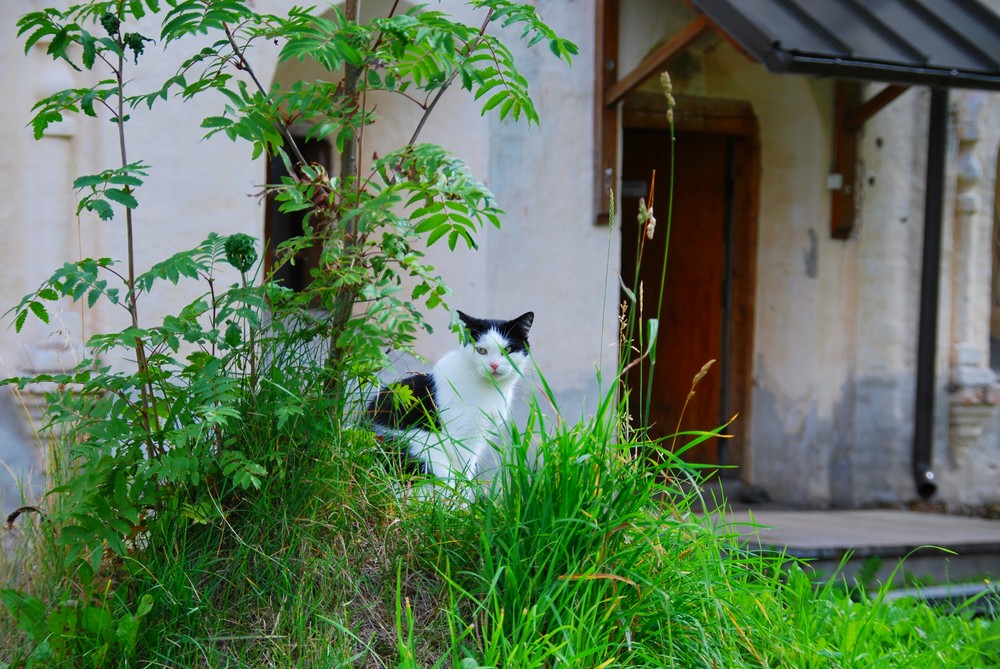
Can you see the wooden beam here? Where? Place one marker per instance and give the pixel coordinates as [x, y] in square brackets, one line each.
[851, 115]
[656, 60]
[609, 90]
[843, 174]
[605, 118]
[877, 103]
[693, 114]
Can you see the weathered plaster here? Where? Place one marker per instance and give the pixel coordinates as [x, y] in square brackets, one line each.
[550, 256]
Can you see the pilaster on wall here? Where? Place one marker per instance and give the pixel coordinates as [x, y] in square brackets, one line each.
[974, 388]
[48, 239]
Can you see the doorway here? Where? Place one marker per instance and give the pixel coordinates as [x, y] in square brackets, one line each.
[280, 227]
[706, 311]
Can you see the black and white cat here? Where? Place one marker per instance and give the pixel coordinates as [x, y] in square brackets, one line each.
[461, 409]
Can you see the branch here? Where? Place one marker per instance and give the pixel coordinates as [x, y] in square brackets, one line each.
[447, 84]
[381, 34]
[349, 155]
[148, 414]
[245, 66]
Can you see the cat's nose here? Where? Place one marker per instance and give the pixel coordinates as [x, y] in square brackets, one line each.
[494, 366]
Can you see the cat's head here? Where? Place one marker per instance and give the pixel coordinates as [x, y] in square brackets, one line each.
[497, 348]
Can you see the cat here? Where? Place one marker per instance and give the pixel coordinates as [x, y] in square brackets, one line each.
[457, 412]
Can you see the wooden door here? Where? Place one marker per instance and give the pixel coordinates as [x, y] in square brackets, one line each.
[702, 313]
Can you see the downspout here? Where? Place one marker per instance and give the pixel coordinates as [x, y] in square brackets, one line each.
[722, 452]
[930, 281]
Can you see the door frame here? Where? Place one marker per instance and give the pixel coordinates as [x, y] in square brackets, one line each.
[735, 120]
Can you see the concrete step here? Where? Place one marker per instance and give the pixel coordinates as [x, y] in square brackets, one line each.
[980, 599]
[937, 548]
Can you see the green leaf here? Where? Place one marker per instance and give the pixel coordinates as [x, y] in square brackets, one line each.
[39, 310]
[88, 181]
[96, 620]
[654, 328]
[60, 41]
[87, 103]
[420, 290]
[121, 197]
[145, 606]
[125, 180]
[127, 632]
[216, 122]
[89, 49]
[28, 613]
[180, 21]
[438, 232]
[458, 233]
[101, 208]
[486, 88]
[629, 293]
[43, 120]
[496, 99]
[432, 223]
[40, 23]
[135, 6]
[509, 105]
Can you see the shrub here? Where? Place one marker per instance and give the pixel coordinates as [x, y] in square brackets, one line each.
[206, 413]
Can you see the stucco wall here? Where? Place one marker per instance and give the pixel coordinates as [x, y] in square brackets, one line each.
[550, 256]
[833, 405]
[893, 172]
[836, 334]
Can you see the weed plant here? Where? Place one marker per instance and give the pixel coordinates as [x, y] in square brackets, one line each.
[599, 557]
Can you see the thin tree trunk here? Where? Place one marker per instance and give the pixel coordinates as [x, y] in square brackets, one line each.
[350, 180]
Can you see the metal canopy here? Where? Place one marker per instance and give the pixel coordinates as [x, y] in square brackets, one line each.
[953, 43]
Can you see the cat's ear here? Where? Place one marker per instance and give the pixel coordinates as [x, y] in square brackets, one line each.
[519, 326]
[467, 332]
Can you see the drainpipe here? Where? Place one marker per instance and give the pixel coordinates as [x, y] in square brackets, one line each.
[930, 281]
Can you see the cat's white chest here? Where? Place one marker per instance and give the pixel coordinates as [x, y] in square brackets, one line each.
[469, 405]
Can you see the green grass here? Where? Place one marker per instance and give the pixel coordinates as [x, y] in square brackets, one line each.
[598, 558]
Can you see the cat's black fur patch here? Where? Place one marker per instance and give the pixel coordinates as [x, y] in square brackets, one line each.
[388, 410]
[515, 331]
[407, 462]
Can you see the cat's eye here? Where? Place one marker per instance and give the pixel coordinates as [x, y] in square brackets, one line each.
[480, 350]
[509, 348]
